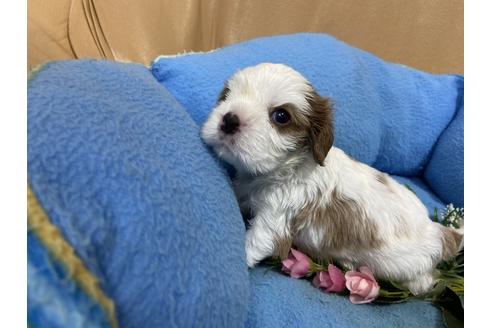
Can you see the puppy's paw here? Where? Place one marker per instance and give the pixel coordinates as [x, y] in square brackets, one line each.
[251, 256]
[258, 246]
[420, 285]
[250, 260]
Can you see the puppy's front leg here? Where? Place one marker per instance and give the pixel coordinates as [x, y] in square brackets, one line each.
[262, 236]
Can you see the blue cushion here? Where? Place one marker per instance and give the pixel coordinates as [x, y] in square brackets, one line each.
[386, 115]
[119, 167]
[444, 173]
[280, 301]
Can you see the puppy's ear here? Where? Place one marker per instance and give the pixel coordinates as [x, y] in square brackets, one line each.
[321, 130]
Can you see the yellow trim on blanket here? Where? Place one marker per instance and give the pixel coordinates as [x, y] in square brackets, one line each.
[51, 237]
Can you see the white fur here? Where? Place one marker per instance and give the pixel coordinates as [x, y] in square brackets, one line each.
[276, 183]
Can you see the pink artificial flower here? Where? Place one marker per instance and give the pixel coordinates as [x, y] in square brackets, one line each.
[331, 281]
[362, 285]
[297, 264]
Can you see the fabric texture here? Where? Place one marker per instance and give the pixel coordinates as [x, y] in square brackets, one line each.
[444, 173]
[280, 301]
[118, 166]
[53, 299]
[386, 115]
[63, 255]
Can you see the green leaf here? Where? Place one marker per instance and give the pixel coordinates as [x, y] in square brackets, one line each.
[450, 320]
[452, 308]
[435, 218]
[391, 300]
[272, 263]
[409, 188]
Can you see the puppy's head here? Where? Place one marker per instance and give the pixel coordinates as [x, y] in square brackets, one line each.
[267, 115]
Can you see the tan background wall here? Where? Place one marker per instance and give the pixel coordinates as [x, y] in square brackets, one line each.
[425, 34]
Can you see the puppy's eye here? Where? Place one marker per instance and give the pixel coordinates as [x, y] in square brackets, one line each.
[280, 116]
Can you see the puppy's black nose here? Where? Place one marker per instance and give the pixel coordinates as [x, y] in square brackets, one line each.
[230, 123]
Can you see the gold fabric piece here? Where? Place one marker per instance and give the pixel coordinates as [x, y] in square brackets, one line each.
[51, 237]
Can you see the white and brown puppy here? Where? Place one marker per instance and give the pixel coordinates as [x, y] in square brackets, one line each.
[274, 128]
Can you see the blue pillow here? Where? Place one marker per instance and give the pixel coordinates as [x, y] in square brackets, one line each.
[119, 167]
[444, 173]
[386, 115]
[280, 301]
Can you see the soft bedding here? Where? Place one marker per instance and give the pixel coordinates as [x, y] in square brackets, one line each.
[147, 213]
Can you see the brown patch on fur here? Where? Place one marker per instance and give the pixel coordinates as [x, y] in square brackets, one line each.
[402, 230]
[321, 133]
[381, 177]
[343, 224]
[314, 130]
[223, 93]
[451, 242]
[282, 246]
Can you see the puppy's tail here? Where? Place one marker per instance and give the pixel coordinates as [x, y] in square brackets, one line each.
[452, 241]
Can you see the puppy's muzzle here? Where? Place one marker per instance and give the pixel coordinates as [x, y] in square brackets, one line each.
[230, 123]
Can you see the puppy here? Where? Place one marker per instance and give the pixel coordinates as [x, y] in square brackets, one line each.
[277, 132]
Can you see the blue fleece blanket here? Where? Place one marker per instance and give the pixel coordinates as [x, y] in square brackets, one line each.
[117, 164]
[119, 168]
